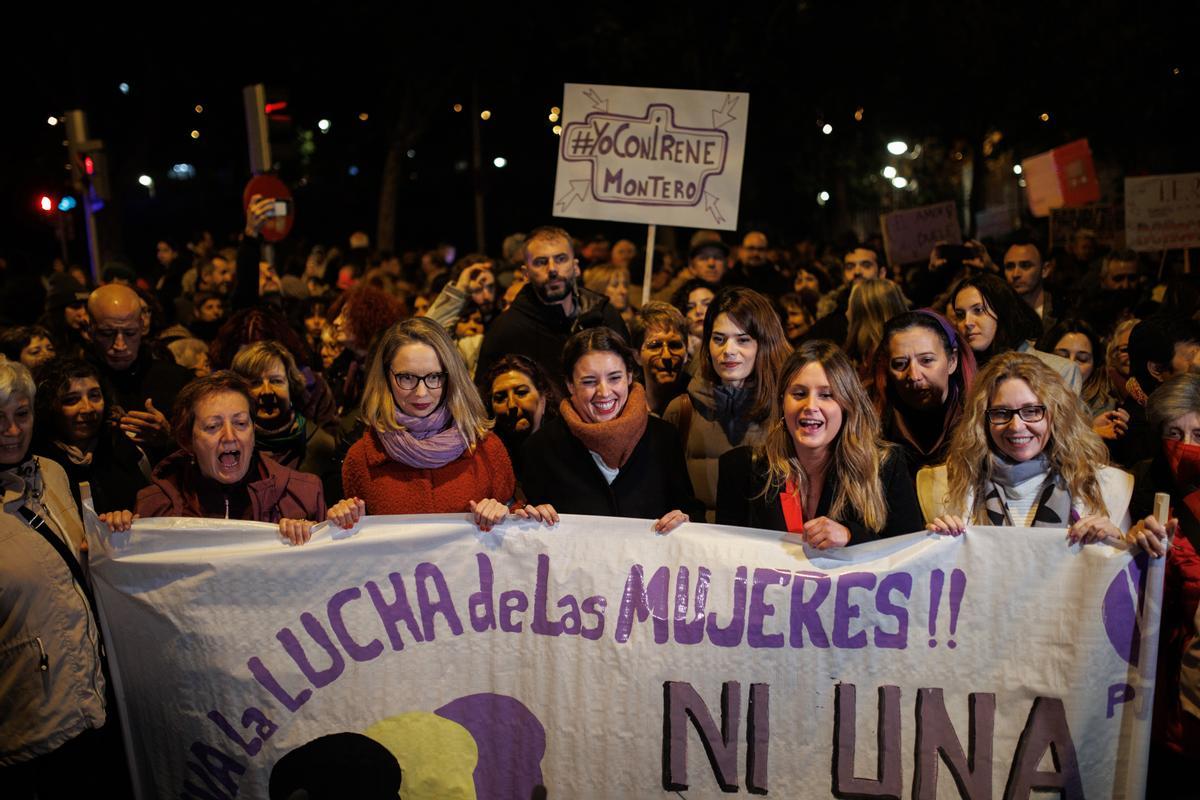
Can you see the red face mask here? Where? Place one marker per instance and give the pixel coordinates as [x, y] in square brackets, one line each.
[1184, 460]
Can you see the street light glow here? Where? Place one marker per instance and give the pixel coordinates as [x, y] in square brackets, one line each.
[897, 148]
[323, 125]
[195, 134]
[822, 197]
[557, 129]
[485, 115]
[1017, 169]
[199, 109]
[500, 161]
[457, 107]
[124, 87]
[51, 121]
[889, 172]
[145, 180]
[899, 181]
[826, 129]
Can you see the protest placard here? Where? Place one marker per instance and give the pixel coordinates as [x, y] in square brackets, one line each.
[1064, 176]
[662, 156]
[1162, 212]
[598, 660]
[1105, 220]
[909, 235]
[996, 222]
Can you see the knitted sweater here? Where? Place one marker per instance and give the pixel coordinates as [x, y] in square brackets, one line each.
[389, 487]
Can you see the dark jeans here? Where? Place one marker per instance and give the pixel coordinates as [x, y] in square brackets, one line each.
[90, 765]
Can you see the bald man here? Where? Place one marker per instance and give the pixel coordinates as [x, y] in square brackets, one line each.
[755, 270]
[144, 387]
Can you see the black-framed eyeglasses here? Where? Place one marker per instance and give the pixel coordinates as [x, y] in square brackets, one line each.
[1003, 416]
[407, 381]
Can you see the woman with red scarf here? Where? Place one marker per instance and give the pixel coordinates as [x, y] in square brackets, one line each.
[1173, 413]
[604, 454]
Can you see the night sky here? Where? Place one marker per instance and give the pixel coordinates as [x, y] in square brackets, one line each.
[1124, 75]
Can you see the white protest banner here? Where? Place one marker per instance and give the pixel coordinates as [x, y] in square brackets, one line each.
[1162, 212]
[909, 235]
[659, 156]
[599, 660]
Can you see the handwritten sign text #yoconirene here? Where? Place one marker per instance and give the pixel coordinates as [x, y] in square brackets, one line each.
[650, 155]
[630, 157]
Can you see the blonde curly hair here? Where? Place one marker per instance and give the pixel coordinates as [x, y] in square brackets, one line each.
[1074, 450]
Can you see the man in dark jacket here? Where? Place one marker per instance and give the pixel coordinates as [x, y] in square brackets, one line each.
[144, 387]
[549, 309]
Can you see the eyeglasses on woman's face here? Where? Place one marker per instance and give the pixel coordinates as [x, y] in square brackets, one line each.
[407, 381]
[1003, 416]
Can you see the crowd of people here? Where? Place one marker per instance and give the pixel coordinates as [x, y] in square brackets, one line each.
[821, 393]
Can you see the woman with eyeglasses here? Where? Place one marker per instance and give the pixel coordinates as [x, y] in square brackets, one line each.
[428, 447]
[1025, 455]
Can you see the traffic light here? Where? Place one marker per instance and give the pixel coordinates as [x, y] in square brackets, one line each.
[89, 166]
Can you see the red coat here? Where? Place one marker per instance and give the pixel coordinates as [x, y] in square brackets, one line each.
[389, 487]
[275, 491]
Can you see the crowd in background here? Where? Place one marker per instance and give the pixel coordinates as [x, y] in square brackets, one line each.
[816, 390]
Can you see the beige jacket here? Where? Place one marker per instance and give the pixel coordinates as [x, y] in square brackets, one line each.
[51, 683]
[1116, 486]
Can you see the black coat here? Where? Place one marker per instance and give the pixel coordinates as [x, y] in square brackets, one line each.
[557, 468]
[534, 329]
[115, 474]
[740, 500]
[150, 377]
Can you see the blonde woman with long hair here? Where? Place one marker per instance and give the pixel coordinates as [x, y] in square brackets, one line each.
[428, 447]
[1025, 455]
[824, 471]
[872, 303]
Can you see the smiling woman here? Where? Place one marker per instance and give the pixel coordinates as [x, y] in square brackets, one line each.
[75, 431]
[824, 471]
[1044, 465]
[604, 454]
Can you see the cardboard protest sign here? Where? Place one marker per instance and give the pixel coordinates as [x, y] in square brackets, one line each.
[1162, 212]
[996, 222]
[1106, 221]
[1064, 176]
[598, 660]
[909, 235]
[662, 156]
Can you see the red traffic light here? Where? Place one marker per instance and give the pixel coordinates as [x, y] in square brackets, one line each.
[89, 166]
[46, 203]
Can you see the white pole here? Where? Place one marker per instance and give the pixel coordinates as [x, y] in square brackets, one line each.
[650, 234]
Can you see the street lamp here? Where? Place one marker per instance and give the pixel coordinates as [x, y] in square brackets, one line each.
[897, 148]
